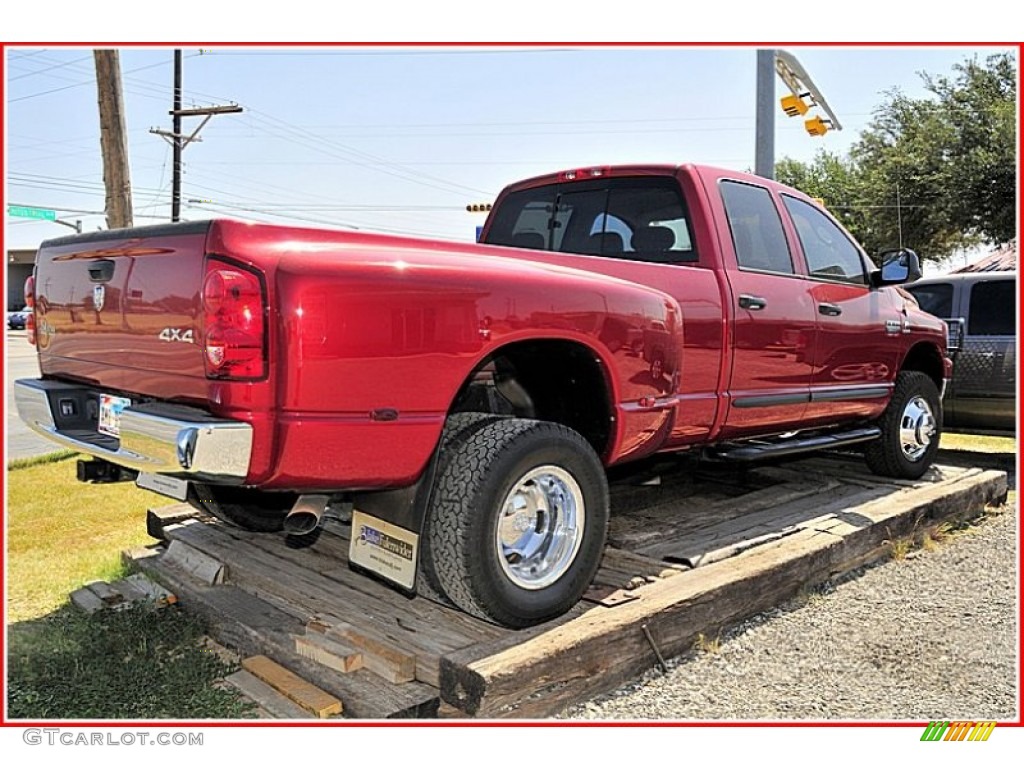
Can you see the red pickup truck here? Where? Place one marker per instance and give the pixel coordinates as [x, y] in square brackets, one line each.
[465, 399]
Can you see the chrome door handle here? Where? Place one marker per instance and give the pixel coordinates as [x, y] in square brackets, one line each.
[832, 310]
[752, 302]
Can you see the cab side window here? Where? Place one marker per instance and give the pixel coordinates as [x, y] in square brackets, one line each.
[756, 228]
[829, 252]
[934, 299]
[992, 309]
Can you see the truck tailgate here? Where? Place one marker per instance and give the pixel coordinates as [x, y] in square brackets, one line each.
[120, 310]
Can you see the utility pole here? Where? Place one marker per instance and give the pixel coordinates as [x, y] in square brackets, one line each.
[113, 139]
[177, 139]
[764, 131]
[176, 129]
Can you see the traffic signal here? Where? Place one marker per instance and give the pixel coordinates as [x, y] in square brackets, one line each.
[478, 207]
[816, 126]
[794, 105]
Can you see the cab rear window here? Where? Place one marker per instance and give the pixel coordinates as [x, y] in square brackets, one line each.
[643, 219]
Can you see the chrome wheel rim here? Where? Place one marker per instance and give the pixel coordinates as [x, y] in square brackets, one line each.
[917, 428]
[540, 527]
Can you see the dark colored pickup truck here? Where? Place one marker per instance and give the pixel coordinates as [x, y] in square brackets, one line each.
[465, 399]
[980, 310]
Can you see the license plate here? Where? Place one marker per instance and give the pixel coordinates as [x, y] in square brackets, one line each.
[110, 414]
[174, 487]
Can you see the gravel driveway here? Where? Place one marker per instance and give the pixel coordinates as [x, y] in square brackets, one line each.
[933, 636]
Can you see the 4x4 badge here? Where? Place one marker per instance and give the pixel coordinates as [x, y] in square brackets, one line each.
[98, 295]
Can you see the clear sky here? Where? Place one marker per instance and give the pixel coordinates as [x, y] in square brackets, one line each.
[401, 139]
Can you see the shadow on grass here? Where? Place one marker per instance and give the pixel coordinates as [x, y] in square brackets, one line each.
[134, 664]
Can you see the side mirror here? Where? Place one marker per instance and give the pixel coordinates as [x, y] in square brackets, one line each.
[899, 266]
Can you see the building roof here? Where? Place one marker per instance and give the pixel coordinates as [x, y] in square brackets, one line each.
[1002, 260]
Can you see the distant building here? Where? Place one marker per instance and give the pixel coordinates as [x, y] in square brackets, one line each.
[19, 266]
[1003, 260]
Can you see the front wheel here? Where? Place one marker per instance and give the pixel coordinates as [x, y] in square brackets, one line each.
[911, 427]
[518, 521]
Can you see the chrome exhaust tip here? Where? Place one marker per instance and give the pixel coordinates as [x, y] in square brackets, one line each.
[305, 514]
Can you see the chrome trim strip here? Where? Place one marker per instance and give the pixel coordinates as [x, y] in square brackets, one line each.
[214, 449]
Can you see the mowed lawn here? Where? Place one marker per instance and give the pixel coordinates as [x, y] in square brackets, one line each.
[62, 533]
[136, 664]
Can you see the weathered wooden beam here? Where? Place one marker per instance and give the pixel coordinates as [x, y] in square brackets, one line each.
[286, 682]
[159, 518]
[266, 697]
[198, 565]
[252, 626]
[379, 656]
[331, 654]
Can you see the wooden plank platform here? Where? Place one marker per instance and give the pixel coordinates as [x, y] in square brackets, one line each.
[704, 548]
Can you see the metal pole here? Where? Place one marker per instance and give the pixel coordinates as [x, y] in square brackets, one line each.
[764, 140]
[176, 141]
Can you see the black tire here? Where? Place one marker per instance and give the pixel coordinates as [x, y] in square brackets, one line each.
[246, 508]
[457, 428]
[462, 527]
[888, 455]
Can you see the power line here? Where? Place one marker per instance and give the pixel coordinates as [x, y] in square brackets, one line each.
[85, 82]
[390, 53]
[47, 69]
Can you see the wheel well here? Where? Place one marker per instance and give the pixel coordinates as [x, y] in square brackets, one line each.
[547, 379]
[926, 359]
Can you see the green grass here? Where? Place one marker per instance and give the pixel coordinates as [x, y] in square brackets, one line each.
[46, 458]
[979, 443]
[135, 664]
[138, 663]
[62, 533]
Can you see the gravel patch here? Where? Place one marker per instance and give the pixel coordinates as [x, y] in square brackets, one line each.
[932, 636]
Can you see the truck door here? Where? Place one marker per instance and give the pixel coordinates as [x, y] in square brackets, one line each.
[773, 316]
[860, 330]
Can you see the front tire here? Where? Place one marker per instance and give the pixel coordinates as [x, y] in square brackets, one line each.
[519, 520]
[911, 428]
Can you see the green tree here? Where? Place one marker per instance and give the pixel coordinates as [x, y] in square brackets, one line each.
[836, 181]
[936, 173]
[979, 105]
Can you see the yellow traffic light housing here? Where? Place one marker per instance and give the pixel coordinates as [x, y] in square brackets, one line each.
[816, 126]
[794, 105]
[478, 208]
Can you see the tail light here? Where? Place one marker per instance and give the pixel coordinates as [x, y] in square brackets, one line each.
[234, 307]
[30, 303]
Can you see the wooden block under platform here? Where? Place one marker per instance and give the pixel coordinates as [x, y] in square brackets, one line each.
[302, 692]
[320, 648]
[199, 565]
[86, 600]
[159, 518]
[266, 697]
[153, 591]
[251, 626]
[379, 656]
[105, 592]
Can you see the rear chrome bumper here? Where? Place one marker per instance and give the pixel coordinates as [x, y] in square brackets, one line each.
[155, 437]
